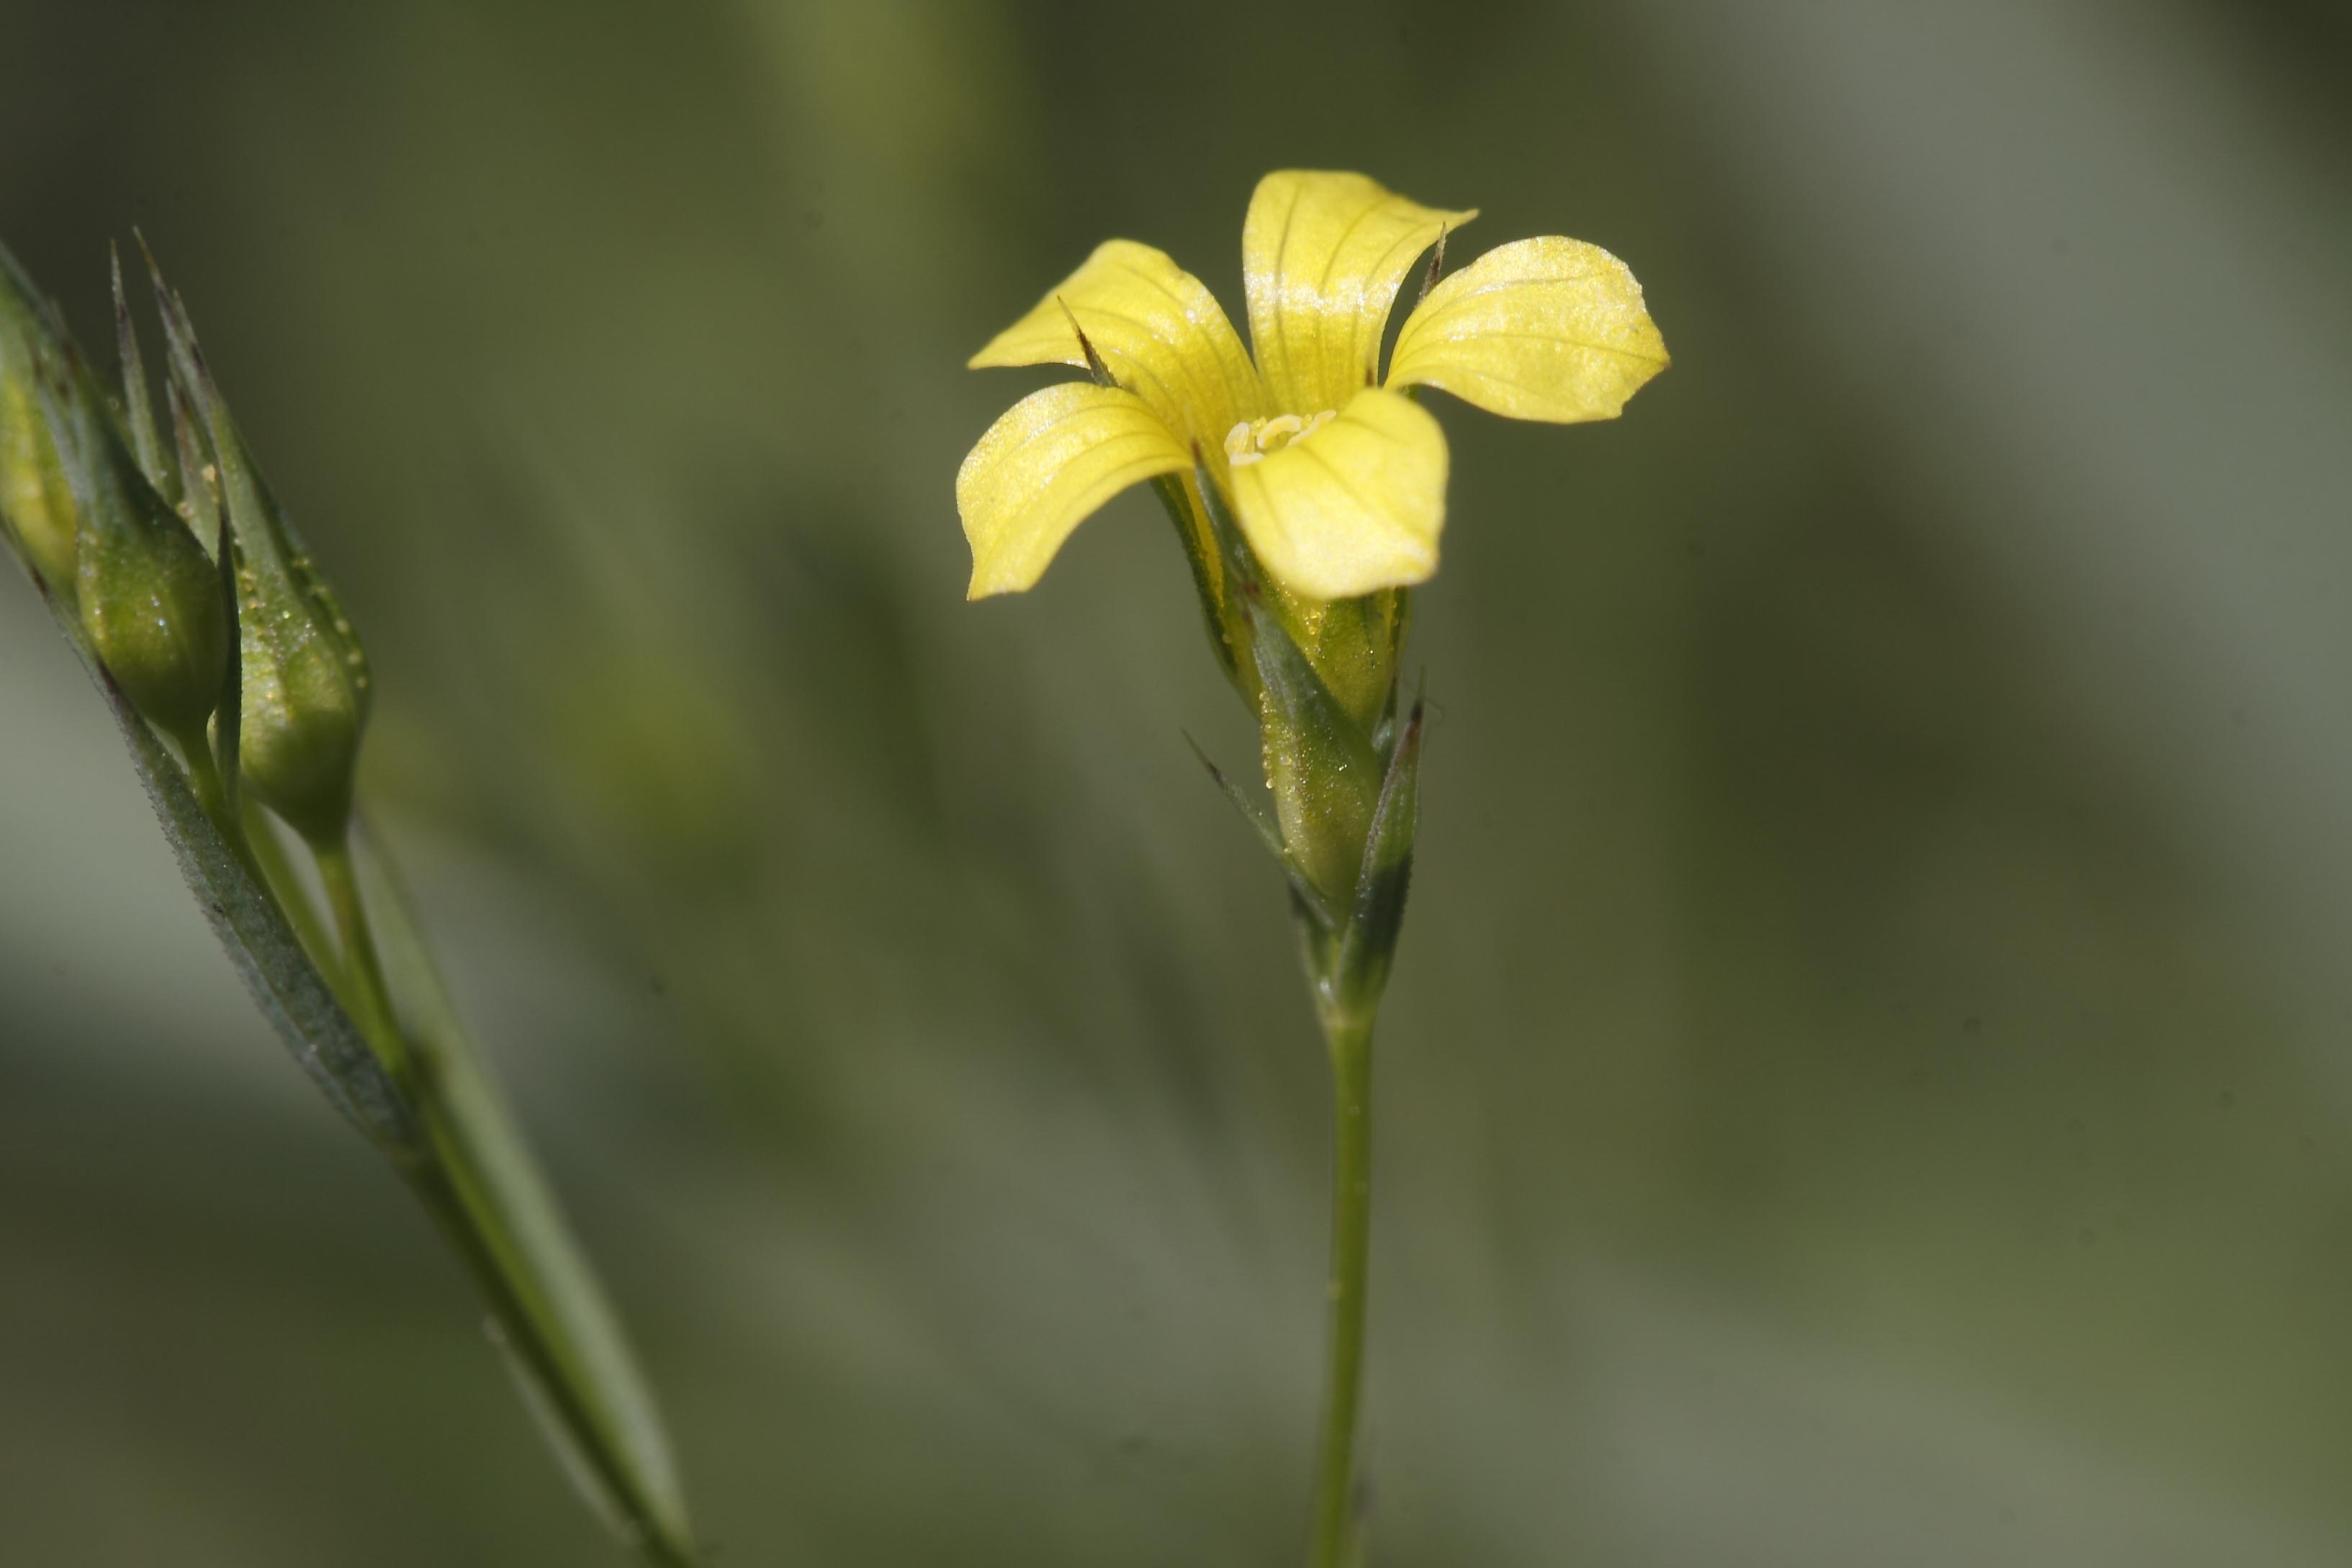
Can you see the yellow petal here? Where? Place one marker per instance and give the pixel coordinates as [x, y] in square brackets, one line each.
[1353, 507]
[1160, 331]
[1044, 467]
[1539, 329]
[1322, 255]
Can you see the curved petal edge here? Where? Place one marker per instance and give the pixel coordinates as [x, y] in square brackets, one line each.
[1159, 331]
[1353, 507]
[1323, 254]
[1547, 329]
[1046, 467]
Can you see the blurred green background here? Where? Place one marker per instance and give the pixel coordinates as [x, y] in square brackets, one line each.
[1866, 1082]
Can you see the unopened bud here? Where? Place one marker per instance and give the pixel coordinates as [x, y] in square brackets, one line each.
[151, 600]
[35, 503]
[304, 679]
[307, 692]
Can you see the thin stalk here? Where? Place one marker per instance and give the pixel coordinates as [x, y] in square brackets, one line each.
[212, 793]
[300, 909]
[459, 1183]
[361, 964]
[1351, 1043]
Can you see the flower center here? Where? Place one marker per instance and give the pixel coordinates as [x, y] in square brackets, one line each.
[1251, 440]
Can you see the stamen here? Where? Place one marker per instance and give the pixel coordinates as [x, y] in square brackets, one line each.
[1248, 443]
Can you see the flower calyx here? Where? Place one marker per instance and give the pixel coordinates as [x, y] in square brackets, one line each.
[306, 687]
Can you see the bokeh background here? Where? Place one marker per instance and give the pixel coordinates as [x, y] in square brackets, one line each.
[1867, 1078]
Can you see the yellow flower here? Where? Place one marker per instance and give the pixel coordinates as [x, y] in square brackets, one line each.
[1337, 477]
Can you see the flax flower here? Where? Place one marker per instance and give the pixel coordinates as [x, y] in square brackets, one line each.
[1309, 488]
[1336, 475]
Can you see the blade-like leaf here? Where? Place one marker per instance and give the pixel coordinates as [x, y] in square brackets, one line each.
[561, 1335]
[287, 988]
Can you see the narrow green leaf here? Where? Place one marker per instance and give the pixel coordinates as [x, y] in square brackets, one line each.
[287, 988]
[562, 1338]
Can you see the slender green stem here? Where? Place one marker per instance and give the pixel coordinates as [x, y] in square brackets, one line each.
[361, 964]
[1351, 1043]
[294, 898]
[212, 793]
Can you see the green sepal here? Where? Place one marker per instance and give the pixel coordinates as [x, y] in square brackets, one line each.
[149, 600]
[199, 497]
[1310, 901]
[1400, 621]
[138, 407]
[1319, 763]
[1352, 643]
[1217, 614]
[1368, 946]
[307, 688]
[228, 713]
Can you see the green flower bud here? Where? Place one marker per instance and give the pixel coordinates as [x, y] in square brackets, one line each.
[303, 676]
[307, 690]
[150, 599]
[36, 504]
